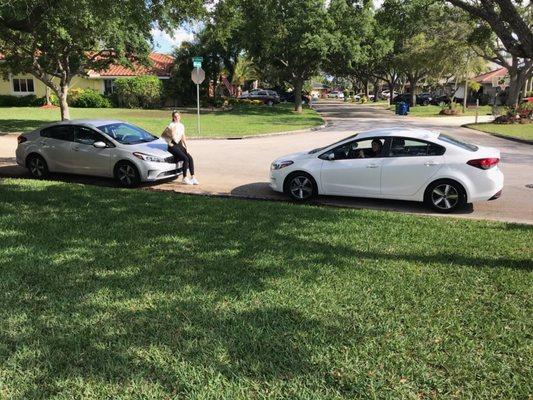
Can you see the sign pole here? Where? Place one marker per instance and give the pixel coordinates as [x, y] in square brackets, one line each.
[477, 108]
[198, 106]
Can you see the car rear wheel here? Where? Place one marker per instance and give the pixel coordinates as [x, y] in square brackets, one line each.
[300, 186]
[270, 103]
[445, 196]
[37, 166]
[127, 174]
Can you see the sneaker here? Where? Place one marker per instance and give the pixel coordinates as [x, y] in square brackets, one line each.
[187, 181]
[195, 181]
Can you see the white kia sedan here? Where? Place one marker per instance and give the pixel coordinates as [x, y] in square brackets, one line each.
[113, 149]
[394, 163]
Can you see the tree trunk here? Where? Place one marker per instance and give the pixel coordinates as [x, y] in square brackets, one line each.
[517, 79]
[376, 90]
[391, 85]
[465, 98]
[367, 92]
[65, 112]
[412, 87]
[298, 85]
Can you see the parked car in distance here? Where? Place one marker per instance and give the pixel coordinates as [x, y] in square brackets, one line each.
[336, 95]
[438, 100]
[386, 94]
[289, 97]
[246, 94]
[421, 99]
[112, 149]
[268, 97]
[406, 164]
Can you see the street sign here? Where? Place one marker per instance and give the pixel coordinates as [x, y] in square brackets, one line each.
[197, 62]
[198, 75]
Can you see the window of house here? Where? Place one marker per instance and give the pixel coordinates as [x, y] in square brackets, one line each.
[23, 85]
[109, 86]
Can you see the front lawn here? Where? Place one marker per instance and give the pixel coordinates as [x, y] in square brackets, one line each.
[241, 121]
[521, 131]
[433, 111]
[122, 294]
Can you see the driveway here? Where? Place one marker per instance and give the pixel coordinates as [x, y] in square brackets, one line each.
[240, 167]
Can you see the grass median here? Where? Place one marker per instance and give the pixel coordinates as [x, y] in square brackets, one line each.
[238, 122]
[520, 131]
[110, 293]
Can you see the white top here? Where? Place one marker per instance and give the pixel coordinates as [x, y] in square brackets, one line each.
[176, 132]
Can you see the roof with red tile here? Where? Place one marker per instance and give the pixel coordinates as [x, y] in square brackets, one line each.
[161, 65]
[487, 76]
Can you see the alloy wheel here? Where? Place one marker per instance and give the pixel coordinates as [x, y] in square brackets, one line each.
[445, 196]
[126, 174]
[37, 167]
[301, 187]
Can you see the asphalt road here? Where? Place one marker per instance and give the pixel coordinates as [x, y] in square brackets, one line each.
[240, 167]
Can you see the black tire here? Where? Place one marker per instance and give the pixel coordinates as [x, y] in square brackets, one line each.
[127, 174]
[269, 103]
[300, 186]
[425, 103]
[37, 166]
[445, 196]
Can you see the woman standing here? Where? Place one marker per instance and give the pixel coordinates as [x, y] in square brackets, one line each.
[174, 134]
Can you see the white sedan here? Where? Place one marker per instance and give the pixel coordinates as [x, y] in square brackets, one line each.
[113, 149]
[393, 163]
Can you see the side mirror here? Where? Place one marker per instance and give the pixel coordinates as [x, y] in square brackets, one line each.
[99, 145]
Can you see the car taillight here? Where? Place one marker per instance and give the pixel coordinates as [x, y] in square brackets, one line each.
[484, 163]
[21, 139]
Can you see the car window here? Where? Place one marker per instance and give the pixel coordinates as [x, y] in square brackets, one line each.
[358, 149]
[127, 133]
[59, 132]
[458, 143]
[263, 93]
[405, 147]
[87, 136]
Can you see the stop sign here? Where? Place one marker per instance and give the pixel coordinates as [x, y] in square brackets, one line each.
[198, 75]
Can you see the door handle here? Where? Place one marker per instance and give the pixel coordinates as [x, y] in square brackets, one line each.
[430, 163]
[372, 166]
[75, 148]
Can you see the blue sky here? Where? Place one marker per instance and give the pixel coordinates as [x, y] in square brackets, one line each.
[164, 43]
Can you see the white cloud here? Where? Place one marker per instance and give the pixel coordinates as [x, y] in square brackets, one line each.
[166, 42]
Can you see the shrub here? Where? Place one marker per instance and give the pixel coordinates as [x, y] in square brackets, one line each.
[363, 100]
[140, 91]
[247, 102]
[87, 98]
[20, 101]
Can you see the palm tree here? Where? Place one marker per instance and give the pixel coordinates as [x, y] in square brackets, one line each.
[245, 70]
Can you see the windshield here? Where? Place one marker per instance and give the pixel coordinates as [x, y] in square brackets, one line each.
[332, 144]
[126, 133]
[454, 141]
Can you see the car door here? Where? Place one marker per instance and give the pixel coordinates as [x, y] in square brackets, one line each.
[87, 159]
[409, 166]
[351, 169]
[55, 144]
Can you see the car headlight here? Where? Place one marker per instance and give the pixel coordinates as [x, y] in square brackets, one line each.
[147, 157]
[281, 164]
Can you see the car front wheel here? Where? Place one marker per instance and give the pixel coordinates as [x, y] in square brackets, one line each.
[126, 174]
[300, 186]
[445, 196]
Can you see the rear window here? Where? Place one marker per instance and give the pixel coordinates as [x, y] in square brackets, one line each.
[458, 143]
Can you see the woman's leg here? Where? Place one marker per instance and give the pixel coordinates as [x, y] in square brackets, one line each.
[178, 153]
[191, 164]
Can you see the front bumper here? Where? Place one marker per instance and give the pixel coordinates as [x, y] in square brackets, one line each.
[154, 171]
[276, 180]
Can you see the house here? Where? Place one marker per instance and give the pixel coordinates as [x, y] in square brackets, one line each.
[101, 81]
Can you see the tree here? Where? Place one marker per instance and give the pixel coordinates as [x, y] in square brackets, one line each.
[56, 40]
[507, 19]
[291, 36]
[505, 38]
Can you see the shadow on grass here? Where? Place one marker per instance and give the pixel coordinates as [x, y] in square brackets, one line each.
[112, 285]
[21, 125]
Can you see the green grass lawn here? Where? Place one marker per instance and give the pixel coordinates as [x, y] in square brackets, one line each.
[521, 131]
[433, 111]
[123, 294]
[241, 121]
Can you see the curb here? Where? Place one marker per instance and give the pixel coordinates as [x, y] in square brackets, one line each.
[510, 138]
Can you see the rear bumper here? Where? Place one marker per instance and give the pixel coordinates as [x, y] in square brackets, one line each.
[497, 195]
[488, 186]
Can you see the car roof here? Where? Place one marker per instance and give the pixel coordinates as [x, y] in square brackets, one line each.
[87, 122]
[400, 131]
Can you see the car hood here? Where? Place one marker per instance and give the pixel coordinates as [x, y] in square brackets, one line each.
[156, 148]
[295, 156]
